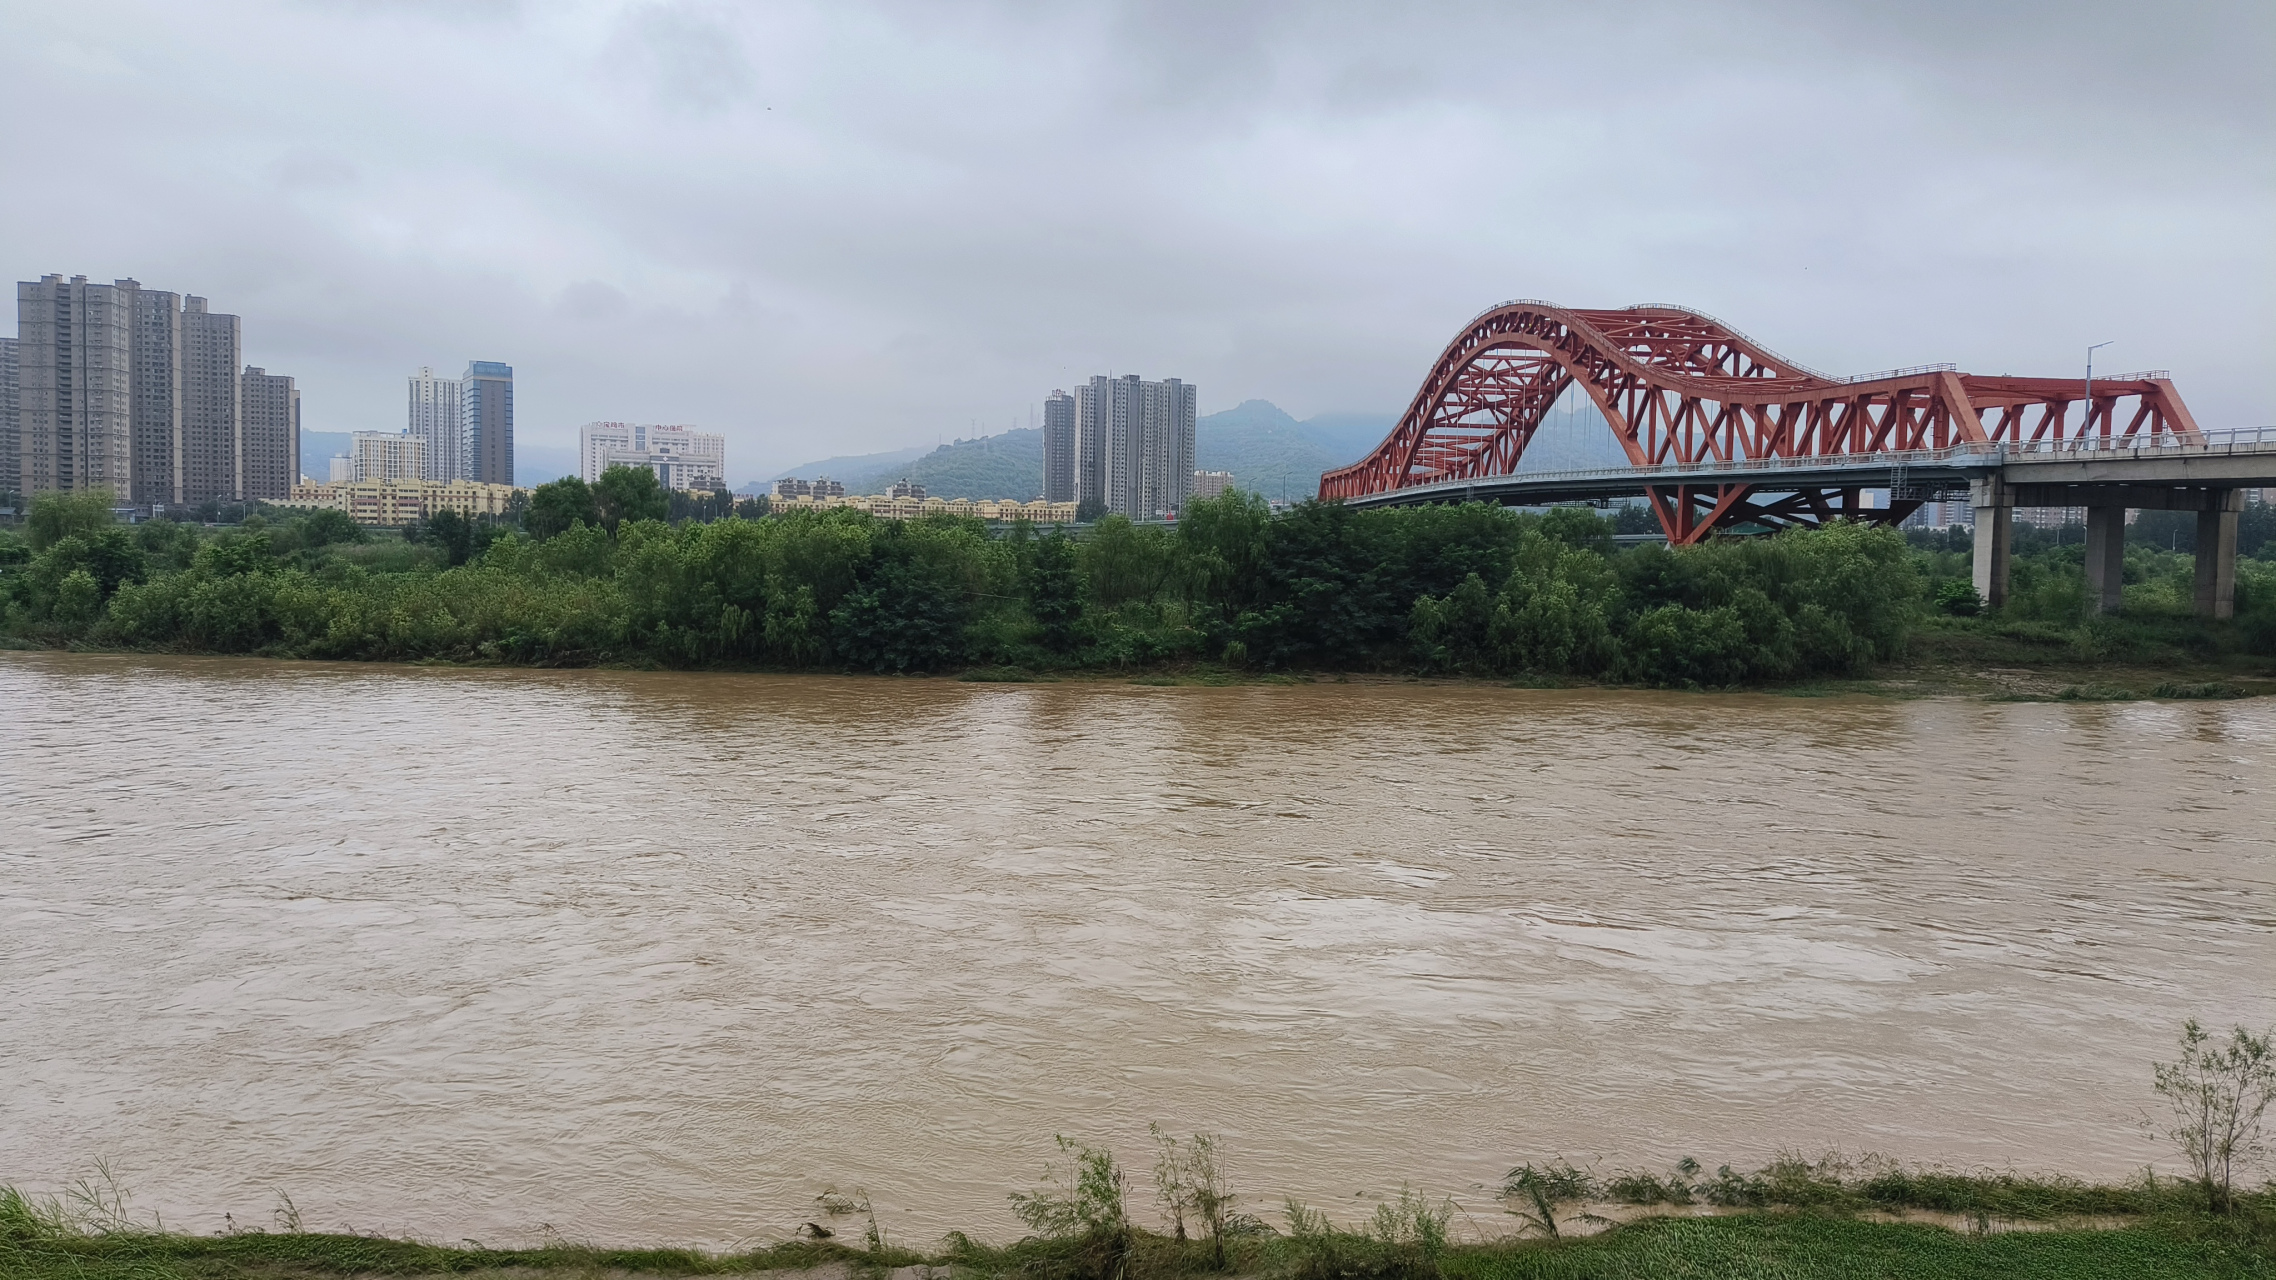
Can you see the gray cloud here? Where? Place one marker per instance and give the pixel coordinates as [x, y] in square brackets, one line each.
[828, 227]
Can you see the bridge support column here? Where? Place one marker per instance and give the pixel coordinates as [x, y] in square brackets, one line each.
[2216, 554]
[2105, 558]
[1995, 526]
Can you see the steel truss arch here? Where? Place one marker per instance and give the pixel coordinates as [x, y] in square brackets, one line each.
[1677, 386]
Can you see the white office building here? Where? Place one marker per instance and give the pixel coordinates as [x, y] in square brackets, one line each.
[435, 421]
[681, 456]
[382, 455]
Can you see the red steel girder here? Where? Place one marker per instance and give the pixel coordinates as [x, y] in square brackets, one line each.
[1680, 387]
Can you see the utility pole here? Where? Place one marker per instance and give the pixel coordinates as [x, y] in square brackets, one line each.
[2089, 422]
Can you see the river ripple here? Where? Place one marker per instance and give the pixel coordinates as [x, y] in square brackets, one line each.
[657, 957]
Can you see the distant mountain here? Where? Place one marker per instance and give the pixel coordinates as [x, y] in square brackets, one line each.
[1267, 451]
[535, 464]
[847, 466]
[1009, 465]
[1270, 453]
[317, 448]
[1350, 436]
[1578, 440]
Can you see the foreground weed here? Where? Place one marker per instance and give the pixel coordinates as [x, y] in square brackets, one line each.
[2218, 1094]
[1533, 1194]
[835, 1205]
[1188, 1182]
[1396, 1246]
[1081, 1204]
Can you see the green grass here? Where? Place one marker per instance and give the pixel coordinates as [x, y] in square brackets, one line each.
[1791, 1220]
[1761, 1246]
[1812, 1247]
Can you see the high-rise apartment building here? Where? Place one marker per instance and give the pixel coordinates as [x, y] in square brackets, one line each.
[1211, 484]
[272, 434]
[434, 419]
[11, 469]
[1134, 444]
[682, 457]
[75, 398]
[212, 459]
[486, 423]
[135, 390]
[157, 392]
[1059, 447]
[384, 455]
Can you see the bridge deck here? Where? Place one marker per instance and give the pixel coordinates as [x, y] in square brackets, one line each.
[2244, 458]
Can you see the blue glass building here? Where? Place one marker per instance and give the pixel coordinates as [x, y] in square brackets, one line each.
[486, 422]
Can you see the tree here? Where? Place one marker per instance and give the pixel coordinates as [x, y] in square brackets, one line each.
[2218, 1095]
[1225, 546]
[1634, 517]
[1055, 591]
[453, 533]
[1125, 561]
[630, 493]
[905, 618]
[557, 504]
[700, 505]
[328, 526]
[57, 515]
[1089, 509]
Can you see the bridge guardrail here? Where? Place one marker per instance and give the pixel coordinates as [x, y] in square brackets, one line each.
[2216, 443]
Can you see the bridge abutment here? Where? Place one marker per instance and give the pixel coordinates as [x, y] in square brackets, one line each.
[2105, 558]
[2216, 554]
[1995, 529]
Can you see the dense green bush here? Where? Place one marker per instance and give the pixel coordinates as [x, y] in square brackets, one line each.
[1458, 590]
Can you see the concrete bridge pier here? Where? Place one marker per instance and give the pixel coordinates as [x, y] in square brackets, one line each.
[2105, 558]
[1995, 529]
[2216, 553]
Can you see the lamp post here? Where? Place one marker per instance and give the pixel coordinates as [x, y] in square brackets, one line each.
[2088, 423]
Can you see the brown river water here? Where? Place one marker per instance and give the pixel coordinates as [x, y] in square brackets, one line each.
[654, 957]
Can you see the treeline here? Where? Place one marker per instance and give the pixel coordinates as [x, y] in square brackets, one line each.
[601, 578]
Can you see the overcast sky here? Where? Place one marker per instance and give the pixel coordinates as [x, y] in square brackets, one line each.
[844, 226]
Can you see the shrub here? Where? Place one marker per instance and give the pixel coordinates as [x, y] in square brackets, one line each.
[2217, 1095]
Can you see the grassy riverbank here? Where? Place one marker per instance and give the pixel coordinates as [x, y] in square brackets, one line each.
[1471, 591]
[1791, 1222]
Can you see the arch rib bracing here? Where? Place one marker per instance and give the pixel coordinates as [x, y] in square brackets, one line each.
[1680, 387]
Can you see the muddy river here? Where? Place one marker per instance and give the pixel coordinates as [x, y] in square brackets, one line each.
[654, 957]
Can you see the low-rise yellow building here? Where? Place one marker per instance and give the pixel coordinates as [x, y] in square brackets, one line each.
[399, 502]
[891, 508]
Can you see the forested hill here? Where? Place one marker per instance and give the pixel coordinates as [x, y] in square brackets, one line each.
[846, 466]
[1271, 453]
[1267, 451]
[1009, 465]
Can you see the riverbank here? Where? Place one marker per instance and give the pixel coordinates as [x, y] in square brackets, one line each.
[1231, 594]
[1982, 663]
[1792, 1225]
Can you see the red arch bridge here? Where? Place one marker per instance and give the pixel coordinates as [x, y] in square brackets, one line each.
[1722, 434]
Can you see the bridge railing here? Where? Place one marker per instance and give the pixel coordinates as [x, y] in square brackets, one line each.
[2219, 442]
[1909, 371]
